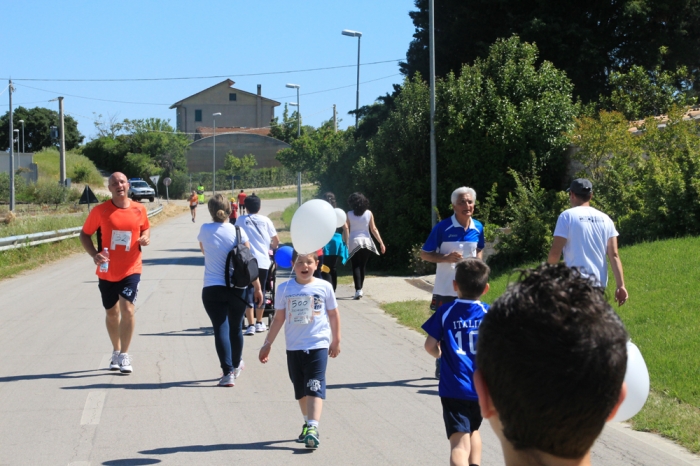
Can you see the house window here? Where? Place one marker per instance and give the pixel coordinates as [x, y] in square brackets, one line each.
[232, 97]
[197, 115]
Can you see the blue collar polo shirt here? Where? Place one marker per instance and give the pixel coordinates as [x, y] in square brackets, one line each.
[446, 237]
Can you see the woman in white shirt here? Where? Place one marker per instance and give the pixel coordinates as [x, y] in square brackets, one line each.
[225, 306]
[361, 225]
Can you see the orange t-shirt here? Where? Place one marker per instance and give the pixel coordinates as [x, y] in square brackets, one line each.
[118, 230]
[194, 200]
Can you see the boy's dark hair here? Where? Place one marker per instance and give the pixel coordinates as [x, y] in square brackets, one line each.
[252, 204]
[330, 198]
[472, 276]
[295, 255]
[553, 355]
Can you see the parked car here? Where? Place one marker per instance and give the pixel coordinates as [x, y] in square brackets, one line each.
[139, 189]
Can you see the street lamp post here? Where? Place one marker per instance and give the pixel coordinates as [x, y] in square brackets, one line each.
[349, 33]
[213, 167]
[15, 139]
[22, 121]
[296, 86]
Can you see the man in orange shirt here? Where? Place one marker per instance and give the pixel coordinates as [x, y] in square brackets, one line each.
[122, 228]
[194, 201]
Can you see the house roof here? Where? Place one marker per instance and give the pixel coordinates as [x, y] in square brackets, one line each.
[207, 131]
[230, 84]
[693, 113]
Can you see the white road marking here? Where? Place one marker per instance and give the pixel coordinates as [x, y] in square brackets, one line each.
[93, 408]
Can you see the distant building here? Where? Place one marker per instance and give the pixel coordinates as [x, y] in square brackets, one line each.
[238, 108]
[242, 127]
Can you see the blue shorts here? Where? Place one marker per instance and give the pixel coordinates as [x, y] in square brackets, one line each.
[460, 415]
[127, 288]
[307, 371]
[250, 291]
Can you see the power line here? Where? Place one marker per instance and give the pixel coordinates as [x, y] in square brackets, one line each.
[161, 104]
[205, 77]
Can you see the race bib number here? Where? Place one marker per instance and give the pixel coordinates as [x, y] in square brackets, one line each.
[300, 309]
[121, 238]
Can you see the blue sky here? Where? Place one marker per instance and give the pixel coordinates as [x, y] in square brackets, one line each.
[159, 39]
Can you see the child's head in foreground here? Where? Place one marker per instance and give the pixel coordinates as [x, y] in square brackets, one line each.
[471, 278]
[304, 266]
[552, 358]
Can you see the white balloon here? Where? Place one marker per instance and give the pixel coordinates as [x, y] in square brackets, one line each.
[313, 226]
[341, 217]
[637, 380]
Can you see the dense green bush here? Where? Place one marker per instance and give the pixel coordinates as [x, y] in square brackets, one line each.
[649, 183]
[530, 214]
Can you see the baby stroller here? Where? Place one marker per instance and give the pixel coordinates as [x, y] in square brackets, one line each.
[269, 291]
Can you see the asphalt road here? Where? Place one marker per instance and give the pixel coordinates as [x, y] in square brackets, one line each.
[60, 406]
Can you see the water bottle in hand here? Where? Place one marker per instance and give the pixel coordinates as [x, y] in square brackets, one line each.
[461, 251]
[105, 265]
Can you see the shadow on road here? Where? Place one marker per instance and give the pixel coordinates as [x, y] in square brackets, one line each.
[59, 375]
[271, 445]
[146, 386]
[391, 383]
[131, 462]
[187, 260]
[188, 332]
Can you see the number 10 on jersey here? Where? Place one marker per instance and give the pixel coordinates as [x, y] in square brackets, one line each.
[472, 335]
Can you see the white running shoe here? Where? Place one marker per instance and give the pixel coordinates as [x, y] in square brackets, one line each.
[260, 327]
[125, 364]
[227, 380]
[250, 330]
[114, 363]
[237, 370]
[358, 294]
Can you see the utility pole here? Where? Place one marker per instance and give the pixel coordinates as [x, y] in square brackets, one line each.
[335, 119]
[62, 142]
[433, 145]
[12, 156]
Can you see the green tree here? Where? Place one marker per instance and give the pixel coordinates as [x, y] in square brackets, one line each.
[37, 129]
[239, 166]
[586, 39]
[641, 93]
[313, 151]
[286, 130]
[141, 148]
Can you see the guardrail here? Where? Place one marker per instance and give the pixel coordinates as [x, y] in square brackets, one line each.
[33, 239]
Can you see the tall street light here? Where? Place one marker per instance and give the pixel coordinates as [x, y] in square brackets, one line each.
[349, 33]
[213, 167]
[22, 121]
[296, 86]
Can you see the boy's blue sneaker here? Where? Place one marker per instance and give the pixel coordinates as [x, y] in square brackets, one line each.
[302, 436]
[312, 438]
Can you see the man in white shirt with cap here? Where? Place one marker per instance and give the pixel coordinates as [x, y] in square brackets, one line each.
[586, 236]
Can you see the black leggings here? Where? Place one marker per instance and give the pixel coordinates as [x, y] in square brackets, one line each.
[226, 309]
[332, 276]
[359, 262]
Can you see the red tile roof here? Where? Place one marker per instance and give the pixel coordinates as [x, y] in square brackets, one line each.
[207, 131]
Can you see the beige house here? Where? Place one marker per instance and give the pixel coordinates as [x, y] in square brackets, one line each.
[240, 110]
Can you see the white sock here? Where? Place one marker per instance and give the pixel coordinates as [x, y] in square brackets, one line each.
[312, 423]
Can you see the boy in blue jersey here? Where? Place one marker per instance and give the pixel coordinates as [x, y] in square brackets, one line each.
[452, 335]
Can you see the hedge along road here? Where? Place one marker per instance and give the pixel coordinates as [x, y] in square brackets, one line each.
[61, 406]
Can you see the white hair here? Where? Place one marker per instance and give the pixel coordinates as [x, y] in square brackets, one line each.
[463, 190]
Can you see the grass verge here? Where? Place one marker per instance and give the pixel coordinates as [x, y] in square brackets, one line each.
[307, 192]
[79, 168]
[19, 260]
[661, 318]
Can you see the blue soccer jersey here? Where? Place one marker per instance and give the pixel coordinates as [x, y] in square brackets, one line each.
[456, 326]
[446, 237]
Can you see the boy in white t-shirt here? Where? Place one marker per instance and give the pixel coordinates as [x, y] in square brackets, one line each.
[308, 310]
